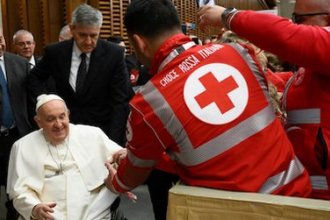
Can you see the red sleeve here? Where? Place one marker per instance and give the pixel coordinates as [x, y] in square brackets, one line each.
[166, 164]
[274, 78]
[144, 152]
[306, 46]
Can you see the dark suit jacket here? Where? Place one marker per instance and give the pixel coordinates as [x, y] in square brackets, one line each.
[50, 84]
[104, 102]
[49, 87]
[37, 59]
[17, 70]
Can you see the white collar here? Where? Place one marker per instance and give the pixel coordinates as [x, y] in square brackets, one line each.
[32, 61]
[77, 51]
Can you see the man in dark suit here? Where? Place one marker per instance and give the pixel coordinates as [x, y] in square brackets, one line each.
[13, 108]
[24, 46]
[89, 73]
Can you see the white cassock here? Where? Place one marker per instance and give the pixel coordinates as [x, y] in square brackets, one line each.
[79, 191]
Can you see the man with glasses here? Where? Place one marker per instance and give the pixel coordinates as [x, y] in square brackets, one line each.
[307, 95]
[24, 46]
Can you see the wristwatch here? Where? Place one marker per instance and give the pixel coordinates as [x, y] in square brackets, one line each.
[225, 15]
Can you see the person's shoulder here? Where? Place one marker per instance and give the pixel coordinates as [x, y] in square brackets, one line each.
[55, 46]
[110, 46]
[131, 59]
[30, 144]
[14, 57]
[38, 58]
[84, 129]
[18, 62]
[31, 137]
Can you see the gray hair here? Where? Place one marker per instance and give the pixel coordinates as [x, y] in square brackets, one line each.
[87, 15]
[21, 32]
[63, 31]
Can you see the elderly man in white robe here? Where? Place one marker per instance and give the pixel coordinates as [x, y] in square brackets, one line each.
[58, 171]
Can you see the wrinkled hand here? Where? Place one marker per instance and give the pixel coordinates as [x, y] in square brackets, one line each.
[119, 156]
[42, 211]
[210, 16]
[108, 180]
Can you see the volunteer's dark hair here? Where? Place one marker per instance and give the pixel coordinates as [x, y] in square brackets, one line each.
[151, 18]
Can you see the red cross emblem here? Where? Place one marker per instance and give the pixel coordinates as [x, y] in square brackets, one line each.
[217, 92]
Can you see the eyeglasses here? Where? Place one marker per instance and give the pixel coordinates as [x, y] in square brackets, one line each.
[298, 18]
[22, 44]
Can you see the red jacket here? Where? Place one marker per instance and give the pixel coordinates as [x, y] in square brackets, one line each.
[279, 79]
[307, 96]
[208, 109]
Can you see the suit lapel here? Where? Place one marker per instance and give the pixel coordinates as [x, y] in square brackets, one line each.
[10, 72]
[64, 60]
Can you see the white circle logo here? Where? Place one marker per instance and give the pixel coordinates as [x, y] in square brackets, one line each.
[216, 93]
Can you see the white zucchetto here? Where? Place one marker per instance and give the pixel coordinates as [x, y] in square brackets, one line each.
[44, 98]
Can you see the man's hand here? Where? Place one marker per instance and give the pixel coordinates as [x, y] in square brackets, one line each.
[119, 156]
[210, 16]
[116, 158]
[109, 179]
[42, 211]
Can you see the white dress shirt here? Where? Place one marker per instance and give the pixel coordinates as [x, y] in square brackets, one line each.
[75, 62]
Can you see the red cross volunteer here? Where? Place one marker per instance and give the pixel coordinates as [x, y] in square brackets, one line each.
[214, 119]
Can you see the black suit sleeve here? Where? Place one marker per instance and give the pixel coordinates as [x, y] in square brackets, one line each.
[120, 90]
[38, 76]
[37, 85]
[17, 72]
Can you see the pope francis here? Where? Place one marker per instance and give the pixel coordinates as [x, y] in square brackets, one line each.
[58, 171]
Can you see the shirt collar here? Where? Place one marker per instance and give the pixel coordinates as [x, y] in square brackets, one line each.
[165, 49]
[32, 61]
[77, 51]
